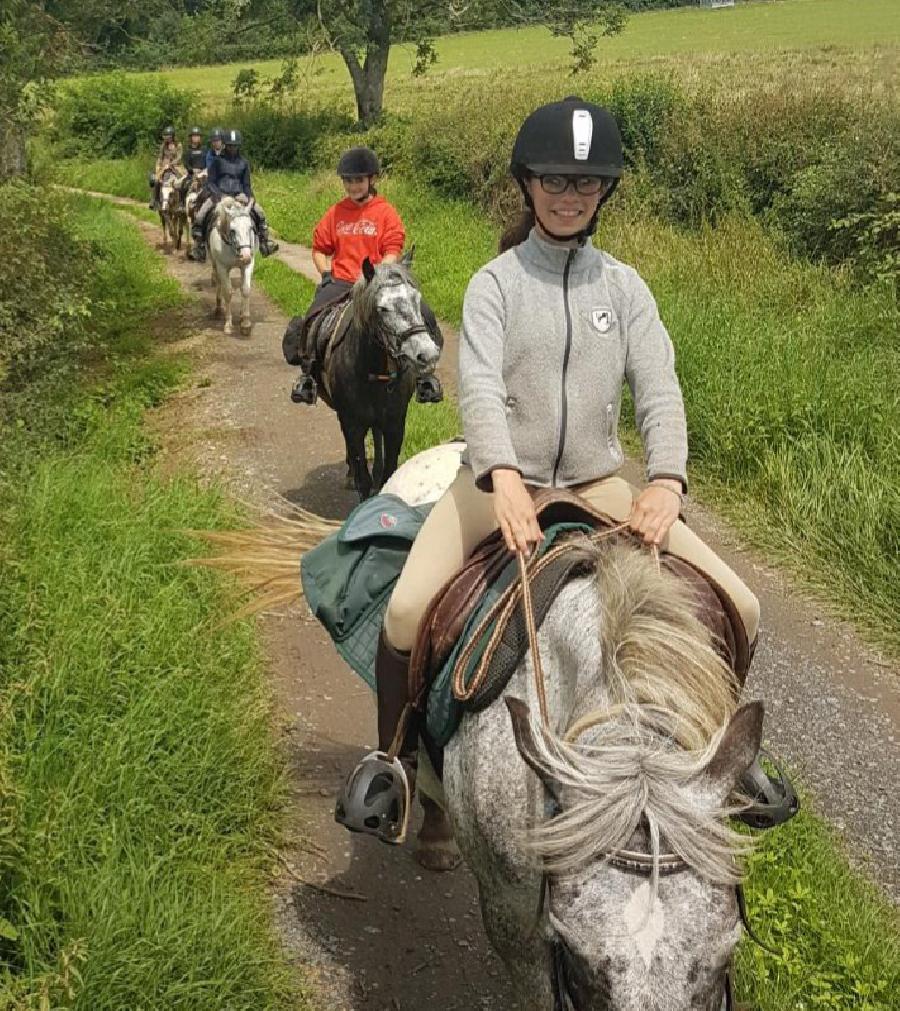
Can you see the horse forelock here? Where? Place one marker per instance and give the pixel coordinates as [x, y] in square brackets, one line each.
[365, 293]
[640, 760]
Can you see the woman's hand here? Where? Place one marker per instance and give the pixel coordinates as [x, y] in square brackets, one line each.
[514, 510]
[655, 510]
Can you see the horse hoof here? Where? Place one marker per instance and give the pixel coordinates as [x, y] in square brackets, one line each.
[246, 328]
[218, 312]
[349, 482]
[438, 856]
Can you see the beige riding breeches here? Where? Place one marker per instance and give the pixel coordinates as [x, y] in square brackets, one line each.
[464, 516]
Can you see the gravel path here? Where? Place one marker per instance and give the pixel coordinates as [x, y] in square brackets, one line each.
[833, 705]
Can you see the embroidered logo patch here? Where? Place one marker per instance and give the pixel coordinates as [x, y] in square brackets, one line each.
[387, 521]
[601, 320]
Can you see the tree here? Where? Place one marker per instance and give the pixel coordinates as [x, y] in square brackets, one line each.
[363, 31]
[40, 39]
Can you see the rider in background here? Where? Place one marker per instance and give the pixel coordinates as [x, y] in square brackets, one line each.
[195, 154]
[169, 156]
[362, 225]
[216, 143]
[229, 176]
[552, 329]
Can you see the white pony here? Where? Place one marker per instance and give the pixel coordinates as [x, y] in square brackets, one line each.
[233, 243]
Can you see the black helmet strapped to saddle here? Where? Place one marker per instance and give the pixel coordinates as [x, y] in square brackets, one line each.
[359, 161]
[574, 138]
[375, 799]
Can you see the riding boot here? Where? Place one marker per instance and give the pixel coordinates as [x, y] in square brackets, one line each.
[378, 794]
[429, 390]
[198, 234]
[267, 246]
[198, 251]
[305, 389]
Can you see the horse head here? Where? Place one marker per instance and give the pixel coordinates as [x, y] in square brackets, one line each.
[168, 191]
[625, 827]
[236, 227]
[387, 303]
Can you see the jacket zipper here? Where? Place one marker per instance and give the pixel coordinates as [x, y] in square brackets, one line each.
[565, 368]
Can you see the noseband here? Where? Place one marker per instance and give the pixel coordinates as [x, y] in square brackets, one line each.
[394, 357]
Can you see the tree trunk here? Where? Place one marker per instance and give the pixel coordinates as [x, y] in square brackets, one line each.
[13, 161]
[368, 77]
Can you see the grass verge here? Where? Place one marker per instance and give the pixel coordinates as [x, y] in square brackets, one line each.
[140, 789]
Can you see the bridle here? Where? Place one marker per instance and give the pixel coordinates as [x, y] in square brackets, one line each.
[231, 239]
[629, 861]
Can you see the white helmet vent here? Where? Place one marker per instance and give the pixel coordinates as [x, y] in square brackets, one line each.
[582, 132]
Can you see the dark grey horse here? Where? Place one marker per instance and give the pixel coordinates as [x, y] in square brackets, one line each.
[369, 353]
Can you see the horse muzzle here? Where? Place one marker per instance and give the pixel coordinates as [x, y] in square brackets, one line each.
[420, 350]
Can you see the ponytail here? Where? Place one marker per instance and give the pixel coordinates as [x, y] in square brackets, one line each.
[518, 231]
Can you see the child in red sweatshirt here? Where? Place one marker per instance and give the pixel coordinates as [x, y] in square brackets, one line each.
[361, 225]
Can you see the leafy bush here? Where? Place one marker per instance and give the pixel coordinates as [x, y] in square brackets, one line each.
[276, 138]
[114, 115]
[47, 266]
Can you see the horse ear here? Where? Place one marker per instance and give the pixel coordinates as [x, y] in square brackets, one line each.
[368, 269]
[407, 257]
[525, 742]
[736, 751]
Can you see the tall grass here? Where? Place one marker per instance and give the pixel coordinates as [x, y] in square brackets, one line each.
[139, 786]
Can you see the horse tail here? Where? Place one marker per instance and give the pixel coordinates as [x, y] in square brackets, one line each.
[265, 557]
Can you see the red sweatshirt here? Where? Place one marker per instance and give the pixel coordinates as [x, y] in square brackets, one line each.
[349, 233]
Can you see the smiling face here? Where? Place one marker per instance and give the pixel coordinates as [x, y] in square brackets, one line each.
[358, 188]
[566, 213]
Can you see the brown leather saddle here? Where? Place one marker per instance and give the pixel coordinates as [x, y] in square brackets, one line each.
[453, 606]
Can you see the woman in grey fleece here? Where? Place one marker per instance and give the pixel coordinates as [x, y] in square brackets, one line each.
[552, 328]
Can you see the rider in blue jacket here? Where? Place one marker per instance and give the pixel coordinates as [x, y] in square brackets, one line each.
[229, 176]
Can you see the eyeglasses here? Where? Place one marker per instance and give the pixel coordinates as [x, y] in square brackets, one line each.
[585, 185]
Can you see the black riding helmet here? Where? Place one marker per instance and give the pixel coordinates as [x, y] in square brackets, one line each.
[195, 130]
[232, 138]
[168, 132]
[571, 137]
[217, 133]
[359, 161]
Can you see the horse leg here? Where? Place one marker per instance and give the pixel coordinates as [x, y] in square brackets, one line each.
[393, 443]
[246, 278]
[378, 462]
[217, 313]
[355, 438]
[436, 849]
[188, 240]
[225, 286]
[179, 229]
[165, 231]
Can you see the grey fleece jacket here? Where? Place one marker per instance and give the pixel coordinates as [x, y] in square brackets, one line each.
[549, 334]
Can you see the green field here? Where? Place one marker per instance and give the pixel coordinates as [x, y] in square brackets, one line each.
[747, 29]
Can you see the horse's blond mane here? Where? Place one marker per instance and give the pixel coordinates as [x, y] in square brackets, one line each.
[640, 761]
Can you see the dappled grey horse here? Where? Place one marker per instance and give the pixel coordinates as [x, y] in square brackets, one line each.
[370, 351]
[608, 880]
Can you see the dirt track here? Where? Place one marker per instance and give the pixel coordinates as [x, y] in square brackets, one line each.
[403, 939]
